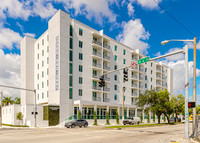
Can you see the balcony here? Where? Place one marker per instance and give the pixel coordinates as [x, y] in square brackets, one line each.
[106, 57]
[158, 84]
[106, 78]
[133, 102]
[97, 42]
[158, 76]
[134, 85]
[96, 98]
[134, 76]
[141, 86]
[106, 89]
[141, 78]
[134, 58]
[106, 68]
[106, 46]
[158, 69]
[96, 88]
[97, 54]
[96, 65]
[134, 94]
[106, 99]
[141, 69]
[95, 76]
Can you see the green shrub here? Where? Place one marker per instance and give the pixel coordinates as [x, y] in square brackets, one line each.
[107, 119]
[154, 117]
[148, 121]
[117, 117]
[19, 116]
[79, 114]
[95, 118]
[141, 117]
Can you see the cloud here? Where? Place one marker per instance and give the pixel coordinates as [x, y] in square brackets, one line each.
[173, 57]
[29, 34]
[191, 45]
[130, 10]
[97, 9]
[10, 73]
[8, 38]
[134, 35]
[149, 4]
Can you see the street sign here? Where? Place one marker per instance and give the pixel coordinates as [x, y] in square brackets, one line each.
[133, 64]
[144, 60]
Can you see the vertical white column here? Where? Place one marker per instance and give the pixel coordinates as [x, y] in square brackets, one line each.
[127, 113]
[95, 107]
[135, 112]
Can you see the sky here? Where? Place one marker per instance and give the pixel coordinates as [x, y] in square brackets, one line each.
[139, 24]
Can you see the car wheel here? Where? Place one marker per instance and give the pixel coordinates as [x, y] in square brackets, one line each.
[124, 124]
[130, 123]
[67, 126]
[138, 123]
[85, 125]
[72, 126]
[80, 126]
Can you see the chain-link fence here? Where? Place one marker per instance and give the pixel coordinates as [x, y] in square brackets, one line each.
[197, 127]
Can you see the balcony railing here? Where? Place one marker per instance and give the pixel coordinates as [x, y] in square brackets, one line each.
[158, 83]
[107, 78]
[106, 57]
[106, 46]
[134, 85]
[134, 76]
[157, 76]
[96, 88]
[96, 65]
[135, 58]
[97, 42]
[106, 68]
[134, 94]
[158, 69]
[141, 69]
[96, 98]
[133, 102]
[141, 78]
[141, 86]
[95, 76]
[106, 99]
[97, 54]
[106, 89]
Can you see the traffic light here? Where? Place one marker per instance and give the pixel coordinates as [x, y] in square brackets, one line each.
[191, 104]
[102, 82]
[125, 75]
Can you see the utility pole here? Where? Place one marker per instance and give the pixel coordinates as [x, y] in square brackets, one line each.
[194, 86]
[122, 103]
[186, 93]
[1, 108]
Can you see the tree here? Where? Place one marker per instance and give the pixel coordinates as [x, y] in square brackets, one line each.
[164, 118]
[19, 116]
[7, 100]
[148, 120]
[178, 104]
[79, 114]
[154, 117]
[17, 100]
[117, 117]
[107, 119]
[141, 117]
[95, 118]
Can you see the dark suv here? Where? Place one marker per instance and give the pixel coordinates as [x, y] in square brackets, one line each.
[78, 122]
[173, 119]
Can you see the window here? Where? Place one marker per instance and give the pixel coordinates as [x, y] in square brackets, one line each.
[47, 49]
[71, 30]
[47, 82]
[70, 56]
[42, 42]
[80, 80]
[38, 86]
[115, 97]
[38, 56]
[94, 72]
[71, 43]
[37, 76]
[80, 32]
[115, 87]
[47, 37]
[38, 66]
[42, 84]
[38, 46]
[47, 71]
[42, 52]
[70, 93]
[70, 68]
[47, 60]
[145, 85]
[94, 94]
[115, 77]
[151, 79]
[145, 77]
[80, 56]
[124, 98]
[42, 63]
[151, 71]
[38, 96]
[124, 61]
[80, 92]
[145, 69]
[42, 74]
[70, 80]
[124, 52]
[151, 86]
[151, 64]
[80, 68]
[80, 44]
[115, 58]
[115, 48]
[115, 67]
[47, 94]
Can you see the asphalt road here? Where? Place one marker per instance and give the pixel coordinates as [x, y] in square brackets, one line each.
[162, 134]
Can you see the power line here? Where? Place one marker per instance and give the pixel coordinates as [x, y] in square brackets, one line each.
[175, 19]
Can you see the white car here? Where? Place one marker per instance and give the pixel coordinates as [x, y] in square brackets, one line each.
[131, 120]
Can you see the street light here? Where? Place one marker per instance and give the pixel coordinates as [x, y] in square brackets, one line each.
[194, 75]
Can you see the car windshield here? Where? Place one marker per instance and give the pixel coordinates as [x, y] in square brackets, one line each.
[129, 118]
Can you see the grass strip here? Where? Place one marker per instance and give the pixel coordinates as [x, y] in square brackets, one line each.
[15, 125]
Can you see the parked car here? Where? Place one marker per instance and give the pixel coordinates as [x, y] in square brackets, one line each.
[173, 119]
[131, 120]
[78, 122]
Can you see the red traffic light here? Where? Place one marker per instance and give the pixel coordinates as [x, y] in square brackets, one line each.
[191, 104]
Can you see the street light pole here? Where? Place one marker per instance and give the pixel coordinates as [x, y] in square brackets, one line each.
[186, 93]
[194, 85]
[122, 103]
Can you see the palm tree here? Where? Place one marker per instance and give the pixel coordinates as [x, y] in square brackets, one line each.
[7, 100]
[17, 100]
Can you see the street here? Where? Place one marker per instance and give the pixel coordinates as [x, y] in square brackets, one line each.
[162, 134]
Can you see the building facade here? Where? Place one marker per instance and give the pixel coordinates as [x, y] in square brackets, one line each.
[64, 65]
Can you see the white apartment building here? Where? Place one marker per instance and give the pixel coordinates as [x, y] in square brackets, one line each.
[64, 65]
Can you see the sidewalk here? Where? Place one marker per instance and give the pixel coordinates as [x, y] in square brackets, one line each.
[177, 139]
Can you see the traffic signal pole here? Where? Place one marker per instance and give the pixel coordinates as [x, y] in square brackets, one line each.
[122, 103]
